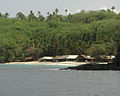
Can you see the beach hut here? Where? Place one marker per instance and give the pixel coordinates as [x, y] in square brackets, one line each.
[60, 58]
[85, 58]
[105, 58]
[28, 59]
[72, 57]
[46, 59]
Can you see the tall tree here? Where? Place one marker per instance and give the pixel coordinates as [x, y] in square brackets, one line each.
[20, 15]
[48, 13]
[31, 16]
[66, 10]
[56, 11]
[113, 7]
[6, 15]
[40, 16]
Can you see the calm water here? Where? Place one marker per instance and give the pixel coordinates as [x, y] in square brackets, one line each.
[29, 80]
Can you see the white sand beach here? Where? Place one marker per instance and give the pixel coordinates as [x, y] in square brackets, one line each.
[49, 63]
[67, 63]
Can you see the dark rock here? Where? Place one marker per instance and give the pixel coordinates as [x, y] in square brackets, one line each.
[94, 66]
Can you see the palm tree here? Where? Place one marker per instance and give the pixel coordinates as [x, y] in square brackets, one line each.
[113, 7]
[50, 16]
[66, 10]
[40, 16]
[48, 13]
[56, 11]
[39, 13]
[6, 15]
[31, 12]
[31, 16]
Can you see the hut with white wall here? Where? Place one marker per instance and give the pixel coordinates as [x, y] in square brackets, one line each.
[46, 59]
[72, 57]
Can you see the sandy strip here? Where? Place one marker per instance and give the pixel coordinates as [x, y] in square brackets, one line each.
[49, 63]
[53, 63]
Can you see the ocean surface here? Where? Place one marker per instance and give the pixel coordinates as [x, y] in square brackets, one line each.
[46, 80]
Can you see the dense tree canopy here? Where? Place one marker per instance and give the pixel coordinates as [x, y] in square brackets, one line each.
[93, 33]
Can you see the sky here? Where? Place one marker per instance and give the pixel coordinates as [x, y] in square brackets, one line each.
[44, 6]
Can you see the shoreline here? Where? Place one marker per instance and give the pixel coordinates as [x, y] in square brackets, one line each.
[70, 65]
[48, 63]
[67, 63]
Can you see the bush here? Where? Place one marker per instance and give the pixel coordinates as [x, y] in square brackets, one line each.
[2, 59]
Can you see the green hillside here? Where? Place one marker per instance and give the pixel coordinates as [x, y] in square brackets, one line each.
[93, 33]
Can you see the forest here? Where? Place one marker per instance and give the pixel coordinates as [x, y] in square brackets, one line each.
[92, 33]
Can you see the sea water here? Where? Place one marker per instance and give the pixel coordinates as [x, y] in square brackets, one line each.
[46, 80]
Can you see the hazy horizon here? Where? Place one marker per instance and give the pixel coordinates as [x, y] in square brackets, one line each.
[14, 6]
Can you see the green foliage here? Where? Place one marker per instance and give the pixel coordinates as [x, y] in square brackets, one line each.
[96, 50]
[2, 59]
[20, 16]
[9, 56]
[94, 33]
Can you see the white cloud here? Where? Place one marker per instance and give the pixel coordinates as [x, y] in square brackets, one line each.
[103, 8]
[77, 11]
[68, 11]
[115, 10]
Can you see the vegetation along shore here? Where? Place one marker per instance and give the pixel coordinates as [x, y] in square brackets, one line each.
[92, 33]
